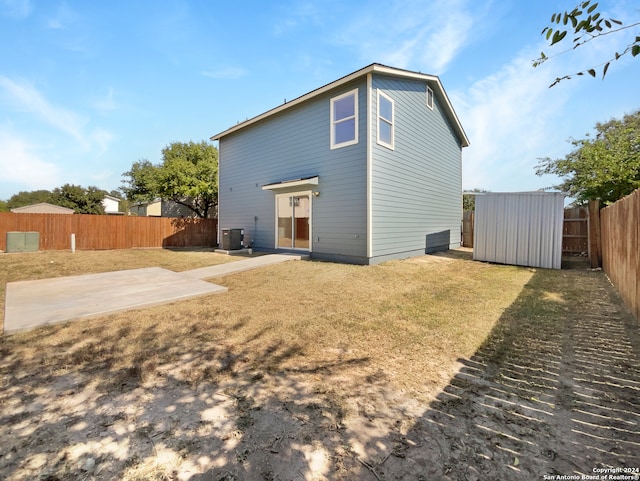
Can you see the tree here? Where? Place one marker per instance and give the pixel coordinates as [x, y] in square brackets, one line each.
[606, 167]
[188, 175]
[141, 182]
[469, 199]
[81, 200]
[23, 198]
[3, 206]
[586, 24]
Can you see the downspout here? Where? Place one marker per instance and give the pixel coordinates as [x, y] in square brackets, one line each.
[369, 170]
[218, 228]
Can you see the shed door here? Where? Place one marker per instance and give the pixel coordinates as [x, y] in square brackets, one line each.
[293, 213]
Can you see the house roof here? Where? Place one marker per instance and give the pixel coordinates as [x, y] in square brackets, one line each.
[432, 80]
[42, 208]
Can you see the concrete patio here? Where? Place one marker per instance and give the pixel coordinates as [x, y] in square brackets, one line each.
[30, 304]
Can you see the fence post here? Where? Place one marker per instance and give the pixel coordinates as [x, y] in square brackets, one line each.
[594, 234]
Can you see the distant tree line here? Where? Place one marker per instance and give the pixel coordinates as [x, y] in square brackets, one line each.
[187, 175]
[82, 200]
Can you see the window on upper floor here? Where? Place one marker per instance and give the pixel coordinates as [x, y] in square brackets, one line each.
[385, 120]
[344, 119]
[429, 97]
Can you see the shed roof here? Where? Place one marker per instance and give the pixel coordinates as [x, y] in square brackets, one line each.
[432, 80]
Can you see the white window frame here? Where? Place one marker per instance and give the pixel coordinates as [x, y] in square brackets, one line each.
[333, 123]
[430, 97]
[390, 122]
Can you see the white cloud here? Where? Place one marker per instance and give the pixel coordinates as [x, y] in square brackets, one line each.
[298, 15]
[107, 103]
[226, 73]
[102, 138]
[21, 164]
[422, 36]
[16, 8]
[26, 97]
[509, 118]
[445, 41]
[63, 18]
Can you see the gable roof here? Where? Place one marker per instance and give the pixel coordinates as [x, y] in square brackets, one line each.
[432, 80]
[42, 208]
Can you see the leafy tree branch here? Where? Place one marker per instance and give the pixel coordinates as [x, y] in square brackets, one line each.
[586, 24]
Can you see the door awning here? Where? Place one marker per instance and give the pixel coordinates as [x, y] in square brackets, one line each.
[285, 184]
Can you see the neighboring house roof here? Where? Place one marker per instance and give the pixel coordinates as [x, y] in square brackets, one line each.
[42, 208]
[433, 81]
[154, 201]
[111, 204]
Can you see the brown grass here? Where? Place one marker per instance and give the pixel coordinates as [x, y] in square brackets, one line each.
[407, 319]
[310, 370]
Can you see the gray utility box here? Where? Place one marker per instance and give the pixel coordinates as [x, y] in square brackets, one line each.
[232, 239]
[23, 241]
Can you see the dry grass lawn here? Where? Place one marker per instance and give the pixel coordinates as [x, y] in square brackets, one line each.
[291, 374]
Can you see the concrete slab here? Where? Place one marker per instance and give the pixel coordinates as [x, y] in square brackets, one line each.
[30, 304]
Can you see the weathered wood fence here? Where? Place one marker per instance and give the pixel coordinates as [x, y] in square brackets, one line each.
[95, 232]
[575, 231]
[467, 228]
[620, 245]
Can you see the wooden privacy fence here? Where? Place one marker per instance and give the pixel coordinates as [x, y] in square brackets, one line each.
[575, 231]
[467, 228]
[95, 232]
[620, 244]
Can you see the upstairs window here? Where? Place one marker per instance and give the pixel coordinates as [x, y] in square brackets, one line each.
[429, 97]
[385, 120]
[344, 119]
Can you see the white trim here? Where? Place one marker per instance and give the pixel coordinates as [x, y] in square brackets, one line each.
[391, 122]
[333, 123]
[430, 99]
[308, 193]
[369, 168]
[377, 68]
[285, 184]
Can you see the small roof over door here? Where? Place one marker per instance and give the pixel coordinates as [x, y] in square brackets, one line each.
[303, 182]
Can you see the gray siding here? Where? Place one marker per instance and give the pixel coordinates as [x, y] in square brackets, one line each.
[417, 187]
[295, 144]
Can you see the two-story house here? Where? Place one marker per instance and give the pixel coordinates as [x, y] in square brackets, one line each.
[362, 170]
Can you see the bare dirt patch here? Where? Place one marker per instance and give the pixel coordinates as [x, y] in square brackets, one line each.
[430, 368]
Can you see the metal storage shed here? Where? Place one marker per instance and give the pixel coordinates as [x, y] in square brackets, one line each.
[520, 228]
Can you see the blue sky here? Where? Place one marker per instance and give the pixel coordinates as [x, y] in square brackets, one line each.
[88, 88]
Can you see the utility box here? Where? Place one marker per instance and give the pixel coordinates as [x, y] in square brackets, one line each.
[232, 239]
[23, 241]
